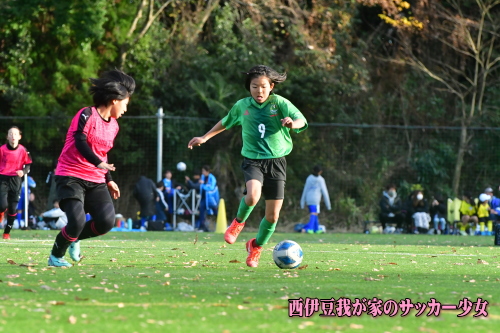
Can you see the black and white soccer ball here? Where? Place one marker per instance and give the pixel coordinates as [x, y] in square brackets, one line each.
[287, 254]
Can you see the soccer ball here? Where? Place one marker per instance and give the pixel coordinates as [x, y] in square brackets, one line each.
[287, 254]
[181, 166]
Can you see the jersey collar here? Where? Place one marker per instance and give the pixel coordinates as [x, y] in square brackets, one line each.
[263, 105]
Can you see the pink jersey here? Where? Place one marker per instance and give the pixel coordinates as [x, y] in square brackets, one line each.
[100, 138]
[13, 160]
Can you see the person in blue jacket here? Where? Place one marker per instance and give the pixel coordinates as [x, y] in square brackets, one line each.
[494, 204]
[209, 197]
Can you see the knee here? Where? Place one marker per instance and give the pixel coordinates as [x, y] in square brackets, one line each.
[105, 222]
[272, 217]
[251, 199]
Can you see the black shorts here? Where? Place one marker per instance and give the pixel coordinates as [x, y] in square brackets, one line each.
[12, 186]
[271, 173]
[89, 193]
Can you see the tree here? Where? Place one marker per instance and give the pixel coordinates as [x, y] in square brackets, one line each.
[466, 34]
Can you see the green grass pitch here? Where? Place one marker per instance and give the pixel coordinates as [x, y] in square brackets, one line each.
[194, 282]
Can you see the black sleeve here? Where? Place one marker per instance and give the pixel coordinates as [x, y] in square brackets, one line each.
[26, 168]
[81, 139]
[108, 177]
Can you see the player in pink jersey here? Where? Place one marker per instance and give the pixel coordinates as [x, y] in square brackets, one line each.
[15, 162]
[83, 179]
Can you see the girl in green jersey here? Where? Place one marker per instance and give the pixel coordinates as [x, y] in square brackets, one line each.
[266, 120]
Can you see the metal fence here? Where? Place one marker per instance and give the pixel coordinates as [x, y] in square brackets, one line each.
[358, 161]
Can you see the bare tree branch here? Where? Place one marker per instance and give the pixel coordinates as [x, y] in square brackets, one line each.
[137, 17]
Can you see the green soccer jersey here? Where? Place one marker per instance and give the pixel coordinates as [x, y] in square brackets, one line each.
[263, 135]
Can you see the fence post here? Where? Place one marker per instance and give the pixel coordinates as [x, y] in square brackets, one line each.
[159, 151]
[26, 203]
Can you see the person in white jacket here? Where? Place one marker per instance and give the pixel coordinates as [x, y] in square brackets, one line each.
[56, 216]
[314, 188]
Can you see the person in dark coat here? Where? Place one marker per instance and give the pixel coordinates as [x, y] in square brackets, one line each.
[145, 193]
[417, 209]
[438, 211]
[391, 209]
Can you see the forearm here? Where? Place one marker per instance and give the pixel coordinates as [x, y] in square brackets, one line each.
[218, 128]
[298, 123]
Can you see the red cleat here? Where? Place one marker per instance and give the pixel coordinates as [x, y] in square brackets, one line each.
[254, 252]
[233, 231]
[6, 236]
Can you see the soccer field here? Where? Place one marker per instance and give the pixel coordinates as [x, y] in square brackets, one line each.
[194, 282]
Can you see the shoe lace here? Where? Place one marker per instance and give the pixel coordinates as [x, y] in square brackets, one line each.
[236, 228]
[255, 253]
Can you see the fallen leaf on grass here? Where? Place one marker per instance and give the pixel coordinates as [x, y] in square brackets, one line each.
[80, 299]
[12, 276]
[166, 283]
[12, 284]
[30, 290]
[303, 267]
[56, 303]
[28, 265]
[235, 261]
[391, 263]
[72, 319]
[305, 324]
[113, 259]
[480, 261]
[356, 326]
[12, 262]
[458, 263]
[371, 279]
[471, 281]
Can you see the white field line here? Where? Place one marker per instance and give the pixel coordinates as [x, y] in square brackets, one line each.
[49, 243]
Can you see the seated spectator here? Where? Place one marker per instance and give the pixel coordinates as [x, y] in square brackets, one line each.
[468, 213]
[54, 218]
[418, 211]
[483, 215]
[438, 211]
[161, 204]
[391, 209]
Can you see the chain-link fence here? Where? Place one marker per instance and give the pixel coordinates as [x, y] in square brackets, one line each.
[358, 161]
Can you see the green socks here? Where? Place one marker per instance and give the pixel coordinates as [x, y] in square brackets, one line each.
[266, 230]
[244, 210]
